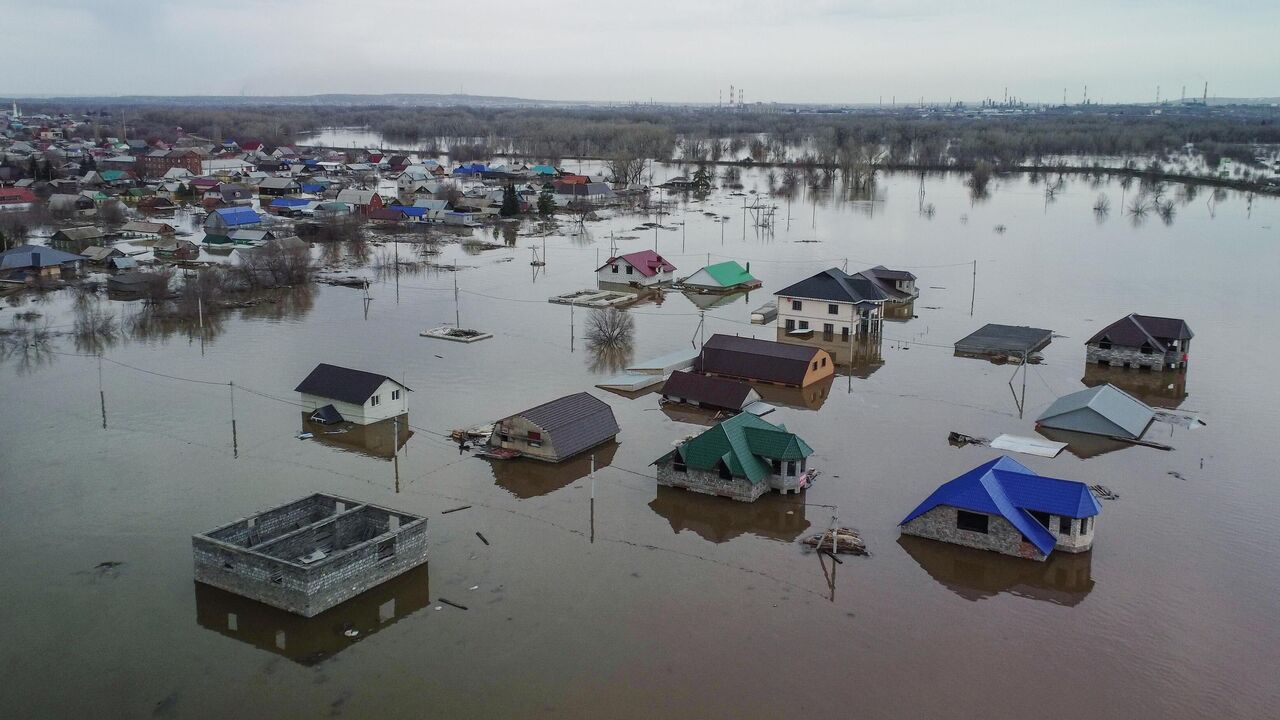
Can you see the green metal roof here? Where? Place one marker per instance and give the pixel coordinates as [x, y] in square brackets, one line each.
[745, 444]
[729, 273]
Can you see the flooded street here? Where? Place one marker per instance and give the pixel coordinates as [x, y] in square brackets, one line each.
[659, 602]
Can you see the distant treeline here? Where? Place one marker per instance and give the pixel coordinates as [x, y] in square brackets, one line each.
[839, 139]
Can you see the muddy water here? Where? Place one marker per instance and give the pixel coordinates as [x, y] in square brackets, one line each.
[664, 603]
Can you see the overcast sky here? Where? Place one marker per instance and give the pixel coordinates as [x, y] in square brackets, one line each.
[668, 50]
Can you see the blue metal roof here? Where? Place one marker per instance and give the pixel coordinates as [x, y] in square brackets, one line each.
[289, 202]
[238, 216]
[312, 187]
[1006, 488]
[409, 210]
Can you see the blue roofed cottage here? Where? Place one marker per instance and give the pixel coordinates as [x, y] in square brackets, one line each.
[1004, 507]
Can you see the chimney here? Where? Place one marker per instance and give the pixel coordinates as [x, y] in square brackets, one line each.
[748, 267]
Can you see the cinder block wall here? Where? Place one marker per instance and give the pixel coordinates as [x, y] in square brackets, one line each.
[1002, 537]
[711, 483]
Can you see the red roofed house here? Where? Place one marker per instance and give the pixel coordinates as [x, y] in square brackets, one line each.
[16, 199]
[645, 268]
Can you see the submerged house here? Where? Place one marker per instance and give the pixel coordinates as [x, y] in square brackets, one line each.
[556, 431]
[993, 340]
[645, 268]
[1104, 410]
[899, 285]
[723, 277]
[741, 458]
[708, 392]
[1141, 341]
[336, 394]
[764, 361]
[1004, 507]
[311, 554]
[37, 262]
[833, 302]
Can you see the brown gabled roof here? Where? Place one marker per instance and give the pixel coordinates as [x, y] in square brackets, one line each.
[753, 359]
[1133, 330]
[708, 391]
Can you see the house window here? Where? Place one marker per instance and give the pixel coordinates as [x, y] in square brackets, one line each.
[815, 364]
[1146, 348]
[833, 309]
[375, 401]
[973, 522]
[828, 330]
[844, 333]
[791, 468]
[395, 394]
[777, 467]
[804, 324]
[724, 472]
[614, 269]
[387, 550]
[1064, 525]
[1041, 517]
[678, 464]
[1084, 526]
[795, 305]
[791, 324]
[1104, 344]
[630, 270]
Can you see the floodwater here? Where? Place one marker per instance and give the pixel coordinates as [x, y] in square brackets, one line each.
[649, 602]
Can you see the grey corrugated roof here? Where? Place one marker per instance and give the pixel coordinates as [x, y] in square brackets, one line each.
[1005, 338]
[575, 422]
[1133, 330]
[1103, 410]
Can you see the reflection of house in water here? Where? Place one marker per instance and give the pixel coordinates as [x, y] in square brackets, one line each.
[1083, 445]
[859, 357]
[708, 301]
[810, 397]
[527, 478]
[377, 440]
[1166, 390]
[1063, 579]
[309, 641]
[772, 516]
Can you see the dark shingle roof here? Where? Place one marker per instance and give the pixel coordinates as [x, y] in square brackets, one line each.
[343, 384]
[1133, 330]
[755, 359]
[711, 391]
[575, 422]
[993, 338]
[837, 286]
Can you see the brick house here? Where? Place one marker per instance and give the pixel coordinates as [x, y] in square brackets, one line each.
[1004, 507]
[158, 162]
[1141, 341]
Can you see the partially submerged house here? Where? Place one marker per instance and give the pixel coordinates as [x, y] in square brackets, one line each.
[899, 285]
[34, 262]
[645, 268]
[722, 277]
[708, 392]
[833, 302]
[1104, 410]
[992, 340]
[1004, 507]
[1141, 341]
[335, 394]
[224, 219]
[78, 235]
[98, 255]
[557, 430]
[363, 201]
[311, 554]
[765, 361]
[278, 186]
[741, 458]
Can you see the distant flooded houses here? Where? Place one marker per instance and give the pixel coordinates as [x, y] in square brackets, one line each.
[1004, 507]
[741, 458]
[334, 394]
[557, 430]
[1141, 341]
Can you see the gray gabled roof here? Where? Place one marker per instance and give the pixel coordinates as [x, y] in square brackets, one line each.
[574, 422]
[1102, 410]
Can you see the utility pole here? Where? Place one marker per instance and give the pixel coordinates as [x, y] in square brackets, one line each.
[457, 312]
[973, 296]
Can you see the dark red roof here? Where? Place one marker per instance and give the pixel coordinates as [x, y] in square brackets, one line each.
[1133, 330]
[707, 391]
[753, 359]
[16, 195]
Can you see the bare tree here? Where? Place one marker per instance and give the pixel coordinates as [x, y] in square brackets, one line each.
[610, 327]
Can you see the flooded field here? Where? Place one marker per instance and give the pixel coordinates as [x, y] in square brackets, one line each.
[652, 602]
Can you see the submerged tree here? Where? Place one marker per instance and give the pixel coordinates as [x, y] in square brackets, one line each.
[610, 327]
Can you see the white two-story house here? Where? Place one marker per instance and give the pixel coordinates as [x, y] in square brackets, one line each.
[833, 303]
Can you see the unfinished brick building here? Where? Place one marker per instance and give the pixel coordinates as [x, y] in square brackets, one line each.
[311, 554]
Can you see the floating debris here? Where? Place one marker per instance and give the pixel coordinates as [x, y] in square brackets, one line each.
[452, 604]
[1102, 492]
[960, 439]
[839, 540]
[454, 510]
[462, 335]
[483, 539]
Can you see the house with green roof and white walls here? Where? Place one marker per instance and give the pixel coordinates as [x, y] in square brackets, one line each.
[727, 276]
[741, 458]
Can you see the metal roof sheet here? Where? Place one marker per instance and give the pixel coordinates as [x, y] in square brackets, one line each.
[1101, 410]
[1004, 338]
[343, 384]
[575, 422]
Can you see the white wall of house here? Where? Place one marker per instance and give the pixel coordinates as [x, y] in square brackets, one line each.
[816, 315]
[617, 273]
[389, 401]
[702, 278]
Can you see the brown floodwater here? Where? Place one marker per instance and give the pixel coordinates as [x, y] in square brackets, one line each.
[650, 602]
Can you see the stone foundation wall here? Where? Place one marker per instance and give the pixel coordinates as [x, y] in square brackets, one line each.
[710, 483]
[1119, 356]
[1002, 537]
